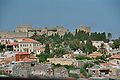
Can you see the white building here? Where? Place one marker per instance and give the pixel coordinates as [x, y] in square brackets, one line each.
[28, 45]
[6, 40]
[97, 44]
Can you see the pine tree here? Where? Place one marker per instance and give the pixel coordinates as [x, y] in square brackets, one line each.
[47, 49]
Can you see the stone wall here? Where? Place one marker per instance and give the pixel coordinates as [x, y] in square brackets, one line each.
[12, 34]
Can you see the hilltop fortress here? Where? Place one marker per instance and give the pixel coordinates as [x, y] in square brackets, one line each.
[28, 31]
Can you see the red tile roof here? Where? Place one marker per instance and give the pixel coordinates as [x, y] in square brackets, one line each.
[95, 54]
[28, 40]
[33, 57]
[12, 44]
[107, 64]
[27, 60]
[10, 59]
[22, 53]
[116, 56]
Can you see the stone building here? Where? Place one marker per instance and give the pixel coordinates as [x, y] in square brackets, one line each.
[42, 70]
[32, 69]
[48, 30]
[61, 72]
[12, 34]
[23, 28]
[28, 31]
[105, 70]
[84, 28]
[62, 61]
[21, 69]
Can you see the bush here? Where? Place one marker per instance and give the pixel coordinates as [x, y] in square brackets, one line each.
[82, 57]
[73, 75]
[70, 67]
[84, 72]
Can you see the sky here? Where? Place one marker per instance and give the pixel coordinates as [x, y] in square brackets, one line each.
[100, 15]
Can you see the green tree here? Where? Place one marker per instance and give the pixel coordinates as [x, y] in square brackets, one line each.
[47, 49]
[74, 75]
[74, 44]
[109, 35]
[59, 52]
[98, 36]
[2, 46]
[89, 48]
[80, 57]
[102, 49]
[81, 35]
[35, 36]
[116, 43]
[68, 37]
[56, 38]
[42, 57]
[84, 71]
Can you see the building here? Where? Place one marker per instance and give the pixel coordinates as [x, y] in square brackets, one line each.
[105, 70]
[97, 44]
[84, 28]
[28, 31]
[21, 55]
[48, 30]
[23, 45]
[12, 34]
[32, 70]
[23, 28]
[21, 31]
[42, 69]
[69, 56]
[6, 40]
[94, 54]
[61, 72]
[11, 57]
[115, 59]
[78, 52]
[28, 45]
[62, 61]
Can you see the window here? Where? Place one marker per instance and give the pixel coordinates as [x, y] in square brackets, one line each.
[30, 50]
[93, 71]
[117, 62]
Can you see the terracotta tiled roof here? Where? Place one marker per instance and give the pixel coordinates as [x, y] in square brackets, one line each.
[27, 60]
[33, 57]
[107, 64]
[95, 54]
[10, 59]
[22, 53]
[28, 40]
[116, 56]
[2, 62]
[12, 44]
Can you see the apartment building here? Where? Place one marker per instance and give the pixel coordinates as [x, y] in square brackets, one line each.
[28, 45]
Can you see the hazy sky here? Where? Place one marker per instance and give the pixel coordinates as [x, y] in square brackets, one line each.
[100, 15]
